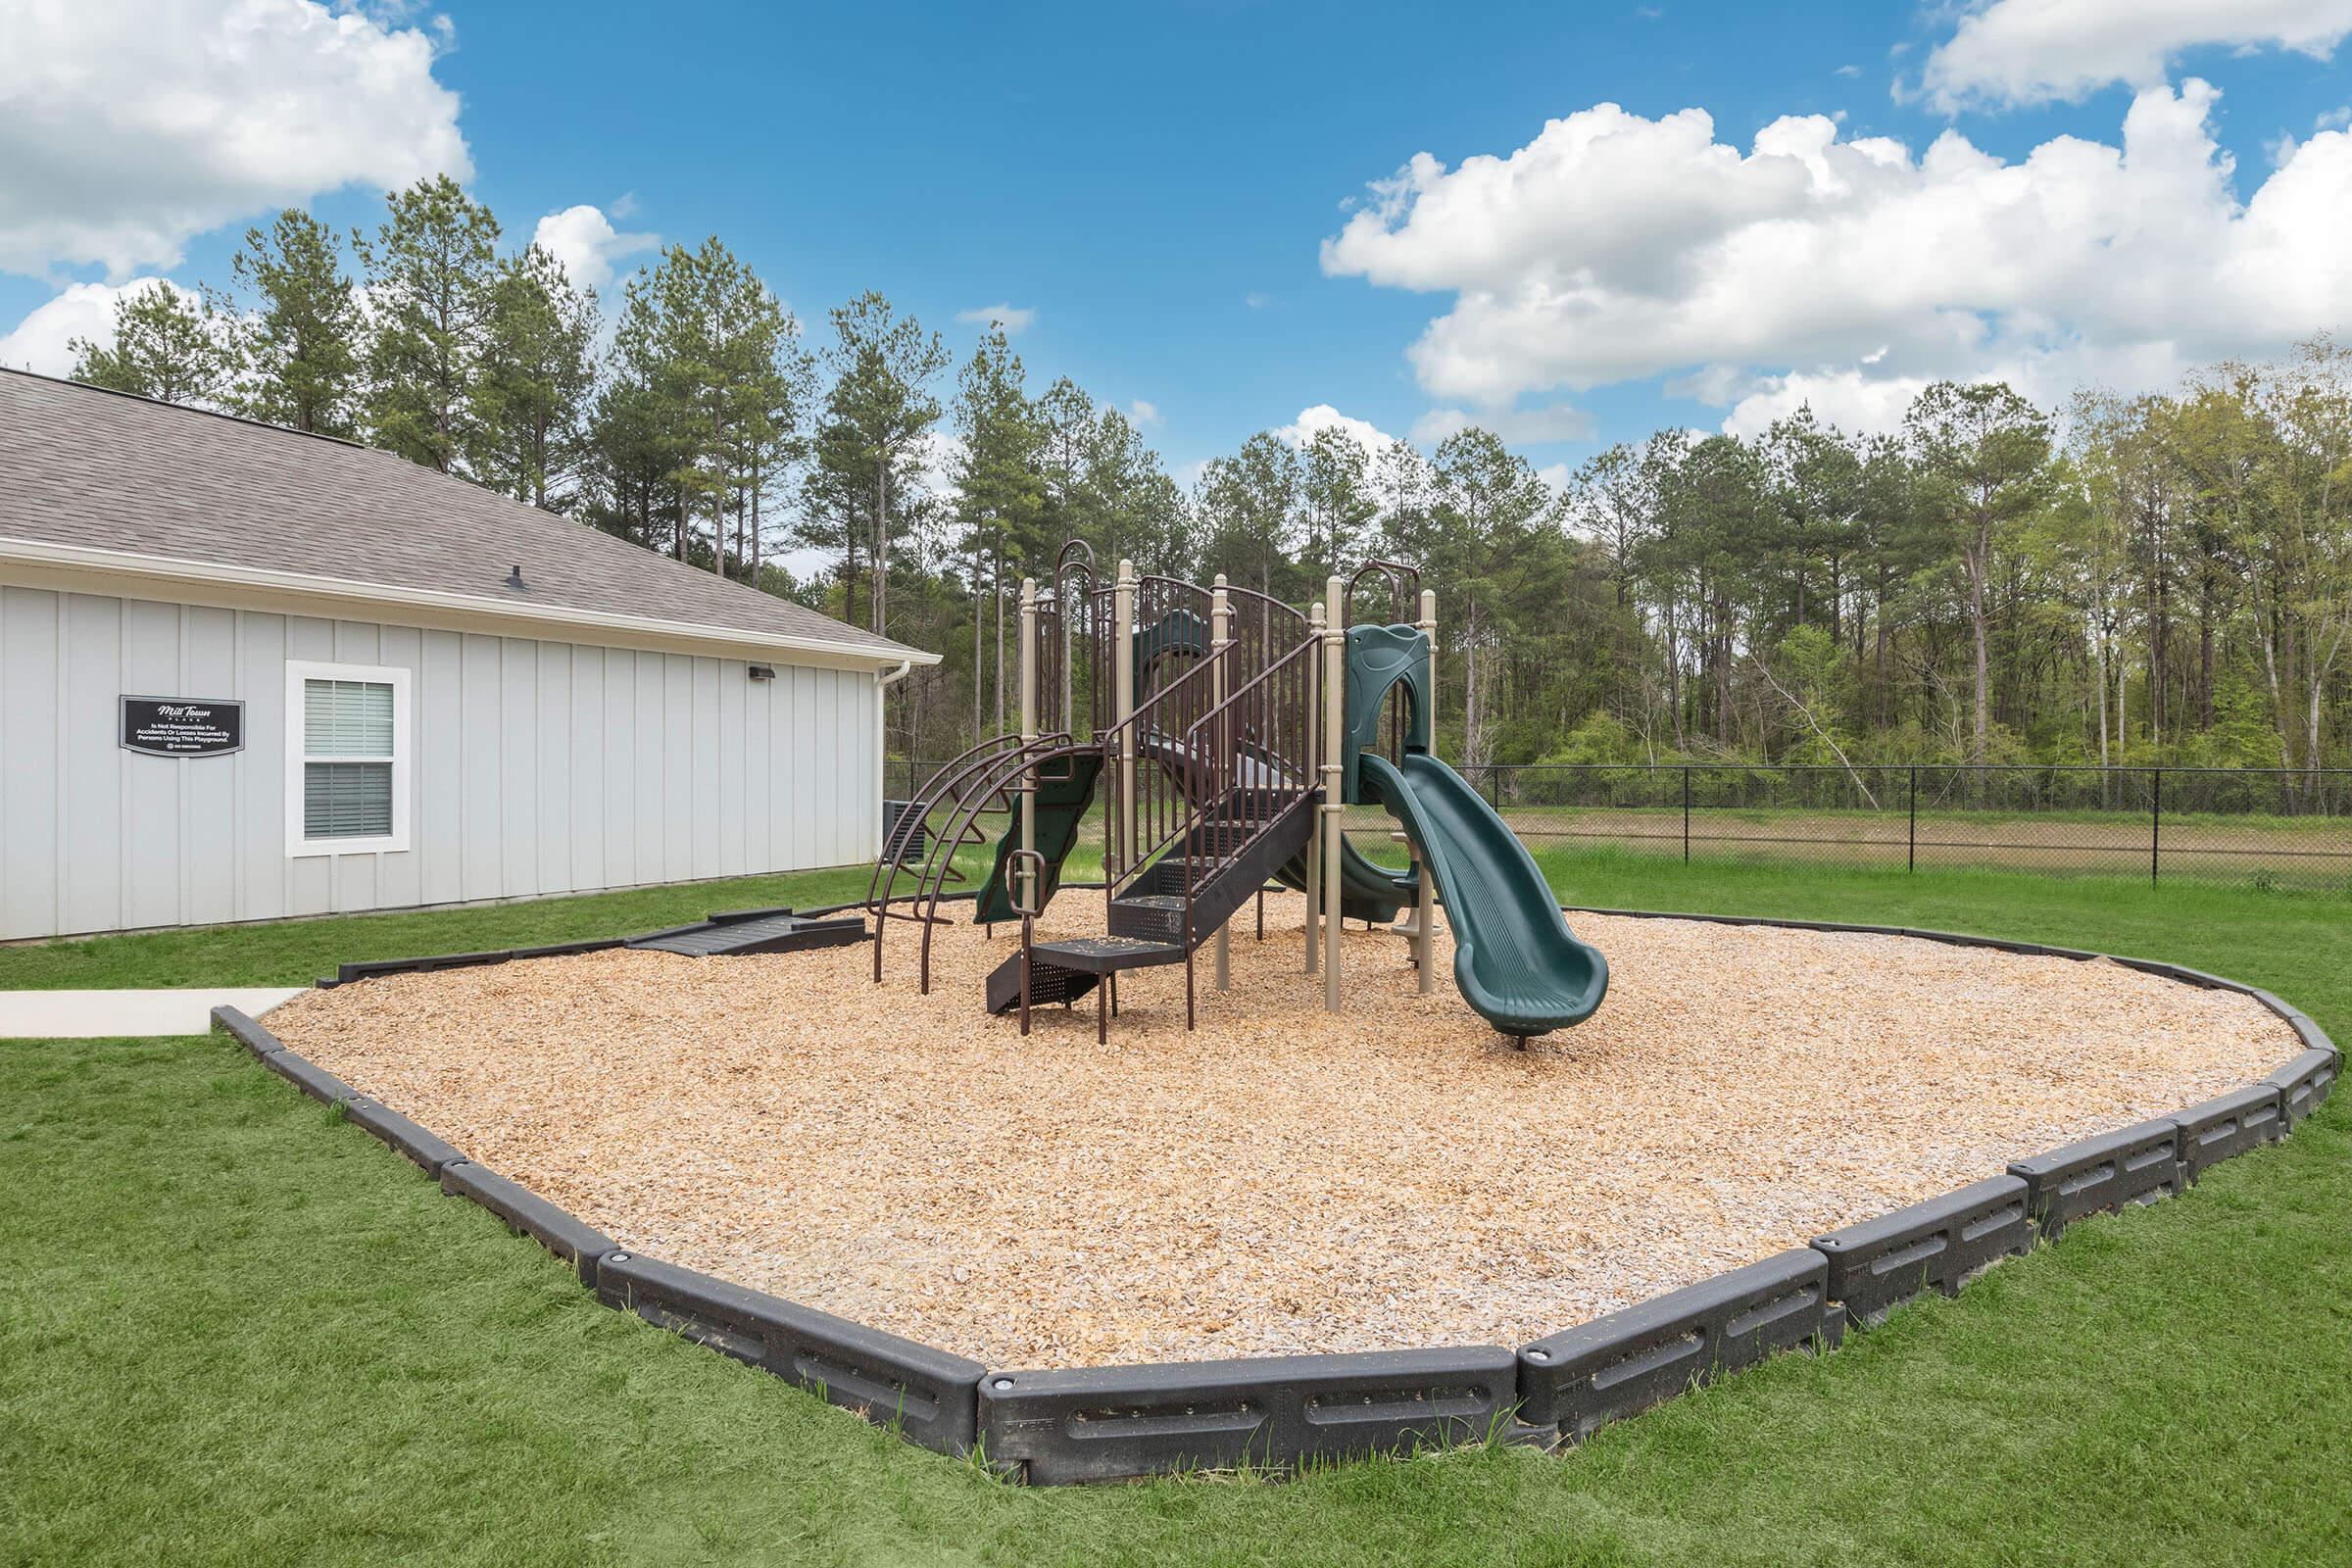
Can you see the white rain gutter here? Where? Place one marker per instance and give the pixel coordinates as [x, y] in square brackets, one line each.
[227, 576]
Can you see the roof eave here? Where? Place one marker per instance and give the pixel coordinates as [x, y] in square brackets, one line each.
[45, 554]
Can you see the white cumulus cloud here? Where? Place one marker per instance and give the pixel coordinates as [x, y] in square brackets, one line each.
[1614, 247]
[128, 125]
[1518, 426]
[43, 340]
[1013, 318]
[1323, 416]
[2033, 51]
[1144, 412]
[585, 241]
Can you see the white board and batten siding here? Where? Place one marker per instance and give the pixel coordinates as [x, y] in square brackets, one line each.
[538, 768]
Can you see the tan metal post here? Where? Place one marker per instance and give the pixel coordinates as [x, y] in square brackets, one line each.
[1315, 776]
[1122, 841]
[1028, 785]
[1220, 634]
[1335, 740]
[1426, 904]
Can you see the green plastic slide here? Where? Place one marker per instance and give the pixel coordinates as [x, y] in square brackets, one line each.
[1368, 891]
[1063, 795]
[1515, 960]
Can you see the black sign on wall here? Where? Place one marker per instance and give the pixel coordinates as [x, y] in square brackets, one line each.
[183, 726]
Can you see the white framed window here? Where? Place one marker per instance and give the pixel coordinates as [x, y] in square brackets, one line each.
[347, 759]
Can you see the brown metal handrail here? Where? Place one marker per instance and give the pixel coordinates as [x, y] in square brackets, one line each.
[1405, 586]
[1157, 790]
[888, 864]
[1034, 753]
[1251, 697]
[968, 790]
[1263, 733]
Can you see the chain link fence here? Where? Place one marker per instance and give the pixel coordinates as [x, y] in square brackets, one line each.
[2263, 828]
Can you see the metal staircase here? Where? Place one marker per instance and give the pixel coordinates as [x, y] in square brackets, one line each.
[1201, 721]
[1163, 917]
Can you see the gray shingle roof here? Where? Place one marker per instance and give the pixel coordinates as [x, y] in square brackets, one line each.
[87, 467]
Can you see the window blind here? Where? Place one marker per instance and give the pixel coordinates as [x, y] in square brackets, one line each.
[347, 718]
[347, 800]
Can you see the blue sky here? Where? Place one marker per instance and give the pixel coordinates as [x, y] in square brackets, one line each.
[1157, 185]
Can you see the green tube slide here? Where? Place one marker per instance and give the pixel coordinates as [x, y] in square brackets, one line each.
[1515, 960]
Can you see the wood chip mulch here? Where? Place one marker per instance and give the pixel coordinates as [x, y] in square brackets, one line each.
[1282, 1179]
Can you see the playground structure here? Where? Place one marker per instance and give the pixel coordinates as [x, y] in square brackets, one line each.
[1290, 1234]
[1227, 732]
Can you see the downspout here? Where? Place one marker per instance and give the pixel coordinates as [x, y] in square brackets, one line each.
[883, 681]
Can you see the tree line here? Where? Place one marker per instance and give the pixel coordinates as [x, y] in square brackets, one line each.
[2163, 577]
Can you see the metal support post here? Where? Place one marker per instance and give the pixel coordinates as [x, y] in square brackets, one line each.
[1030, 884]
[1119, 844]
[1335, 809]
[1314, 747]
[1425, 902]
[1220, 637]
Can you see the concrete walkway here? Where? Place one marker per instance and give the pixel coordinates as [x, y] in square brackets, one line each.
[84, 1014]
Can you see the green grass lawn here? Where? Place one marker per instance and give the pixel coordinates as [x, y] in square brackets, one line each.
[233, 1330]
[294, 952]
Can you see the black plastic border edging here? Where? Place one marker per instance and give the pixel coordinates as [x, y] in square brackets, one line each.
[1115, 1422]
[569, 1238]
[377, 969]
[926, 1395]
[1108, 1423]
[1622, 1364]
[2101, 1175]
[2228, 1125]
[1941, 1243]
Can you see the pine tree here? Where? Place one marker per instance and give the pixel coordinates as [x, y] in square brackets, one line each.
[537, 375]
[1333, 483]
[168, 345]
[432, 274]
[880, 407]
[1000, 488]
[299, 331]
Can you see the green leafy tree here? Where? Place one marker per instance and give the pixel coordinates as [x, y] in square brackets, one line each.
[1490, 512]
[1985, 454]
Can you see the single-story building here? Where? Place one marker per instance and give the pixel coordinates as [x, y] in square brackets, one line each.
[248, 674]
